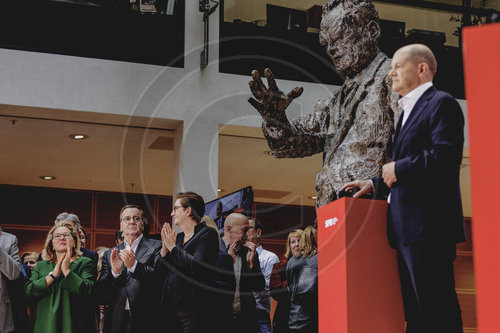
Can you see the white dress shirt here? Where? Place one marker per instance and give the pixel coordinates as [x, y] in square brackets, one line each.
[267, 260]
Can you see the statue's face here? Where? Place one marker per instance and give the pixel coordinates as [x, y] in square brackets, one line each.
[343, 43]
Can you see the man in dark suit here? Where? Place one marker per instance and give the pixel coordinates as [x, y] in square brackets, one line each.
[248, 274]
[425, 218]
[126, 281]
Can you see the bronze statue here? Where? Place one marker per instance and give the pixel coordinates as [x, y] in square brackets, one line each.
[354, 126]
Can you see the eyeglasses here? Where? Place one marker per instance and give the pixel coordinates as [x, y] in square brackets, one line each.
[128, 219]
[59, 236]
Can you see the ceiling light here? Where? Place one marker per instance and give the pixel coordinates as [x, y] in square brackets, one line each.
[219, 190]
[47, 177]
[78, 136]
[313, 197]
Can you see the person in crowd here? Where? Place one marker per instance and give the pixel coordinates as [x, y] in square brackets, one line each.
[60, 284]
[83, 237]
[74, 221]
[278, 283]
[225, 284]
[30, 259]
[118, 237]
[302, 277]
[102, 308]
[424, 225]
[267, 259]
[127, 276]
[9, 270]
[186, 265]
[248, 275]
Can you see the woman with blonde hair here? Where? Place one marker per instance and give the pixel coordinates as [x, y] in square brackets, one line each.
[61, 284]
[302, 277]
[278, 283]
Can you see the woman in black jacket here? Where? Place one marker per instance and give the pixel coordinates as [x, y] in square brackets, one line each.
[186, 267]
[302, 277]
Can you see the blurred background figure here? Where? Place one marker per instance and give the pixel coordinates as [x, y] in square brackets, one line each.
[30, 259]
[302, 277]
[83, 237]
[267, 259]
[102, 308]
[61, 284]
[278, 283]
[118, 237]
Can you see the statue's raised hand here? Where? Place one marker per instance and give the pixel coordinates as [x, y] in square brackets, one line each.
[270, 102]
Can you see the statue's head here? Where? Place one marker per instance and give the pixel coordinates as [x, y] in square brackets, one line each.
[350, 32]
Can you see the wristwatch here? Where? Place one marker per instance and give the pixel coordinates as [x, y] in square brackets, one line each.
[52, 276]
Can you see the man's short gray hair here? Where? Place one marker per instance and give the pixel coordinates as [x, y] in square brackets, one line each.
[70, 217]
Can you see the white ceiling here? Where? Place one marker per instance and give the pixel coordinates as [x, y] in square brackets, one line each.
[117, 156]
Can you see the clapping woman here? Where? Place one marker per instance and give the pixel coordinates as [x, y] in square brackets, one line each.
[61, 284]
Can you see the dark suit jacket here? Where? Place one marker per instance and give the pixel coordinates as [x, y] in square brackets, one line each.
[187, 271]
[425, 202]
[137, 286]
[250, 281]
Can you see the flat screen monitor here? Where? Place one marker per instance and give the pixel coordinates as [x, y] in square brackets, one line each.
[240, 201]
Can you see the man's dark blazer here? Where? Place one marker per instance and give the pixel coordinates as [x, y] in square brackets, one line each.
[250, 281]
[138, 287]
[425, 202]
[188, 272]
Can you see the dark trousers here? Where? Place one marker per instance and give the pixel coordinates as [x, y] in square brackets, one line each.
[428, 287]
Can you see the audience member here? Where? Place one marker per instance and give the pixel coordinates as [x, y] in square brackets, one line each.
[9, 270]
[74, 221]
[118, 237]
[225, 285]
[278, 283]
[83, 237]
[127, 277]
[302, 277]
[30, 259]
[267, 260]
[60, 284]
[187, 261]
[248, 274]
[102, 308]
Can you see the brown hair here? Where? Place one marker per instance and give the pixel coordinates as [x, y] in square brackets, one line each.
[293, 234]
[50, 254]
[195, 201]
[308, 245]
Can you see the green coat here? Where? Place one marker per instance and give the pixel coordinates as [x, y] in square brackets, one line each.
[62, 307]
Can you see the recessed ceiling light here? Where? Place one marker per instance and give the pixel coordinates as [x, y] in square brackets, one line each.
[313, 197]
[219, 190]
[78, 136]
[47, 177]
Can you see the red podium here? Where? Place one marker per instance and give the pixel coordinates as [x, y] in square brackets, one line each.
[358, 279]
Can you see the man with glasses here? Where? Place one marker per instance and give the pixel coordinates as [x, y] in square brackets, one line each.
[74, 221]
[126, 279]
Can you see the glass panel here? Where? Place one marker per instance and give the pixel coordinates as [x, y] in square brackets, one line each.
[283, 35]
[115, 29]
